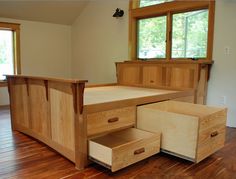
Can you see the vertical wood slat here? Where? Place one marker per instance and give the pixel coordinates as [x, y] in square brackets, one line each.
[62, 114]
[18, 94]
[39, 107]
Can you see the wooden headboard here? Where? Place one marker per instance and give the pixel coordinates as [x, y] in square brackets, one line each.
[166, 74]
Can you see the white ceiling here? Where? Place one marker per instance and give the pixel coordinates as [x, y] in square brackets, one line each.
[52, 11]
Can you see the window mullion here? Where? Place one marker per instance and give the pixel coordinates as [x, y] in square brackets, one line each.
[168, 36]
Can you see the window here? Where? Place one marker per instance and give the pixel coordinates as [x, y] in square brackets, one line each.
[170, 30]
[144, 3]
[9, 49]
[6, 53]
[152, 37]
[189, 34]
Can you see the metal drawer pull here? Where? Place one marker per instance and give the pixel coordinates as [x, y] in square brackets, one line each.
[139, 151]
[114, 119]
[215, 133]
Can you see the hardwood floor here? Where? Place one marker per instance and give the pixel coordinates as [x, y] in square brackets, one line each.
[23, 157]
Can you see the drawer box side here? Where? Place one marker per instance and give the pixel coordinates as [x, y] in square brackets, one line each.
[173, 127]
[100, 152]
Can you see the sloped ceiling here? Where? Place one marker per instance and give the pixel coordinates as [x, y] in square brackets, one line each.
[59, 12]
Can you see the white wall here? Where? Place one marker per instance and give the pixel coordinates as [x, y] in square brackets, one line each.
[4, 96]
[45, 50]
[223, 74]
[99, 40]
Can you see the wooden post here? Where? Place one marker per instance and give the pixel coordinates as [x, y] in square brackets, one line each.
[9, 84]
[81, 159]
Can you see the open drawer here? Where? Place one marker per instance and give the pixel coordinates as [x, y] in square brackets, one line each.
[190, 131]
[120, 149]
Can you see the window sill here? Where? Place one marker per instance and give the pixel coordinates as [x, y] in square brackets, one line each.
[3, 83]
[185, 61]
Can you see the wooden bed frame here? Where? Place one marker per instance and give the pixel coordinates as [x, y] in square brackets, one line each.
[61, 113]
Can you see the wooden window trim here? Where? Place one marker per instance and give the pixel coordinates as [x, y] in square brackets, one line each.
[15, 28]
[168, 9]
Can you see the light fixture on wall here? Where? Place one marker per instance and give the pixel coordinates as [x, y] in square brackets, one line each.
[119, 13]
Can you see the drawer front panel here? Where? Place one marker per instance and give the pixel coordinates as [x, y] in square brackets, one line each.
[106, 121]
[131, 153]
[210, 141]
[213, 120]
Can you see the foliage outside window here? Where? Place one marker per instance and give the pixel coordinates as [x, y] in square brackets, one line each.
[144, 3]
[9, 49]
[189, 34]
[6, 53]
[168, 29]
[152, 37]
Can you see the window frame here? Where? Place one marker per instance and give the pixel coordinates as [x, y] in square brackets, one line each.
[169, 8]
[15, 28]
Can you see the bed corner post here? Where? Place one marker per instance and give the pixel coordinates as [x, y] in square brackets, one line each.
[81, 158]
[9, 86]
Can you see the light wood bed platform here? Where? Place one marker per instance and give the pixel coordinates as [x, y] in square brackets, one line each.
[66, 115]
[108, 97]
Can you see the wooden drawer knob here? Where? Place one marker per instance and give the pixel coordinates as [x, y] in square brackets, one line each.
[114, 119]
[151, 81]
[139, 151]
[214, 134]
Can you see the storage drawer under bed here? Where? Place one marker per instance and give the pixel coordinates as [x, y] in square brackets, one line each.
[190, 131]
[110, 120]
[120, 149]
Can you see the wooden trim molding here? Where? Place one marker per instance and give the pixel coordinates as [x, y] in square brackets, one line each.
[169, 8]
[15, 28]
[4, 106]
[3, 84]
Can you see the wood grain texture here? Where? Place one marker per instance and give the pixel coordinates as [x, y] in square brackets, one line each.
[112, 97]
[62, 114]
[80, 132]
[190, 130]
[47, 110]
[24, 157]
[167, 75]
[189, 99]
[124, 148]
[49, 78]
[153, 75]
[106, 121]
[39, 108]
[19, 97]
[179, 132]
[129, 75]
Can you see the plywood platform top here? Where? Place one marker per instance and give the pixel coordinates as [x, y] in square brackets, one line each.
[106, 94]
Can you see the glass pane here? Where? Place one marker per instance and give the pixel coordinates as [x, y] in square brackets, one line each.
[144, 3]
[152, 38]
[189, 36]
[6, 53]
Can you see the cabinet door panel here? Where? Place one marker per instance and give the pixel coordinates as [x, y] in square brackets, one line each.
[153, 76]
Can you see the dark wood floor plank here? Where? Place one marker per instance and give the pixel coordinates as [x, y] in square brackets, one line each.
[25, 158]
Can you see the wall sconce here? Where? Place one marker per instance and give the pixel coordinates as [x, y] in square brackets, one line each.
[118, 13]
